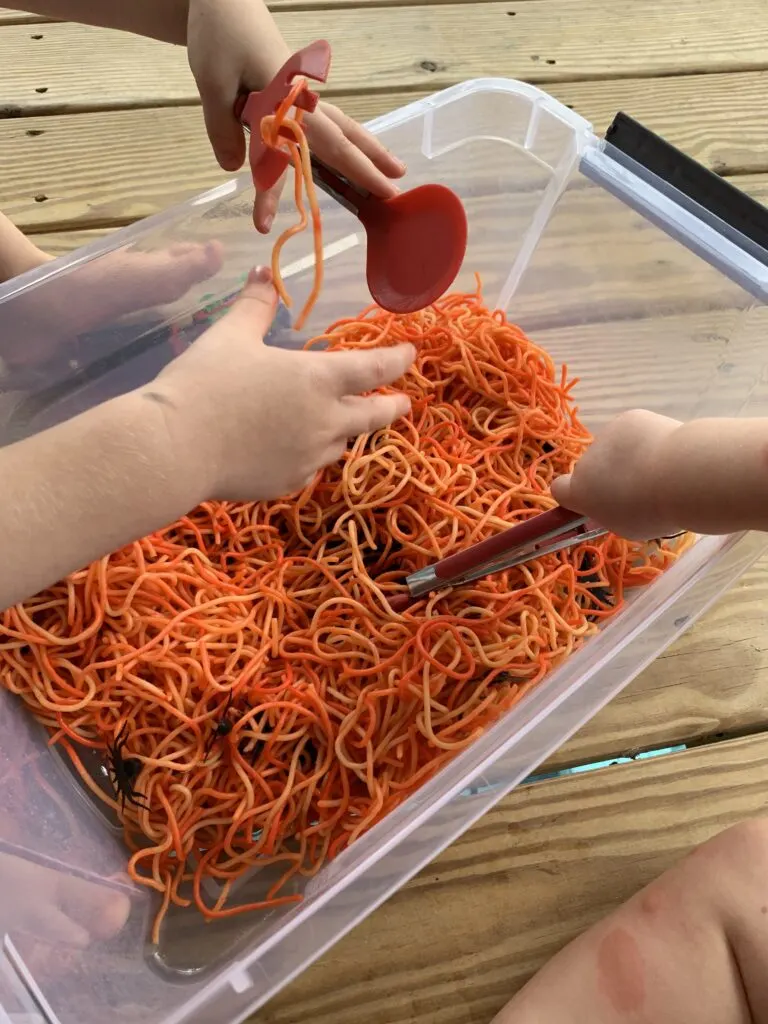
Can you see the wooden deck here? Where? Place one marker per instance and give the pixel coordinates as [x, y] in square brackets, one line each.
[98, 129]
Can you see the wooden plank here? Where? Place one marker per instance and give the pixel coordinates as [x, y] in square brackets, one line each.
[717, 119]
[456, 943]
[11, 17]
[111, 168]
[59, 243]
[427, 47]
[103, 168]
[709, 685]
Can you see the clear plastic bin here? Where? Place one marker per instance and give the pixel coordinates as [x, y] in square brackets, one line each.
[640, 318]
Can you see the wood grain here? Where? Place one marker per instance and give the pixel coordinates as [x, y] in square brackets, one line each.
[11, 17]
[427, 47]
[59, 243]
[456, 943]
[94, 169]
[708, 685]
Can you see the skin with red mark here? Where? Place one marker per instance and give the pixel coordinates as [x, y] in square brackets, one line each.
[621, 971]
[690, 947]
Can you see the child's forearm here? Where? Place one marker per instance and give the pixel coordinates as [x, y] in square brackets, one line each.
[82, 489]
[711, 476]
[159, 19]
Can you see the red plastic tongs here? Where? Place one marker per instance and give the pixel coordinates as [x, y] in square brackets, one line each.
[416, 240]
[542, 534]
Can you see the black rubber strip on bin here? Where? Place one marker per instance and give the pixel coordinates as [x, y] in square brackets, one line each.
[698, 183]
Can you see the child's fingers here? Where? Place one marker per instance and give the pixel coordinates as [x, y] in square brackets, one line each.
[332, 146]
[57, 927]
[353, 373]
[369, 144]
[561, 492]
[364, 415]
[255, 308]
[224, 130]
[102, 912]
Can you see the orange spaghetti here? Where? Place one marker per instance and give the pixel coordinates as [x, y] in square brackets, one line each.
[275, 706]
[280, 130]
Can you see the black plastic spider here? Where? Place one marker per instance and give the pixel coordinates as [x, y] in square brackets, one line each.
[600, 595]
[222, 728]
[123, 771]
[262, 726]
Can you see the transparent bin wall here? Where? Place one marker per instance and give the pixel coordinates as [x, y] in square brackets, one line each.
[641, 320]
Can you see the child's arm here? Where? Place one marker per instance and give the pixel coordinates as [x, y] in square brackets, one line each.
[649, 476]
[231, 418]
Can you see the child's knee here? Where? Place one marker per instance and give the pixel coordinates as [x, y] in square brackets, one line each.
[714, 885]
[733, 860]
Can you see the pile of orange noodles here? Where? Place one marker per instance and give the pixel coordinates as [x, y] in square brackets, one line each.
[270, 703]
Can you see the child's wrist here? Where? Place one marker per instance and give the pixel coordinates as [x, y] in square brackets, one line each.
[663, 483]
[713, 474]
[173, 443]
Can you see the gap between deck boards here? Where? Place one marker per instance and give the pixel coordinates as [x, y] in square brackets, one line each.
[555, 767]
[408, 91]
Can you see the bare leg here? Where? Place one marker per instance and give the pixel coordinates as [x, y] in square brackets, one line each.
[692, 946]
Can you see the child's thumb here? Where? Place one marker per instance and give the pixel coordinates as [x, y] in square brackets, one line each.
[257, 302]
[224, 130]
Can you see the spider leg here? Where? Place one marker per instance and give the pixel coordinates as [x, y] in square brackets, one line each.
[209, 745]
[121, 737]
[138, 801]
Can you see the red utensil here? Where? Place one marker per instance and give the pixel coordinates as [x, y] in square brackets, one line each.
[416, 241]
[540, 535]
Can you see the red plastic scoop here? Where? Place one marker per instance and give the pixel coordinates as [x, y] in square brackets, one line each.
[415, 241]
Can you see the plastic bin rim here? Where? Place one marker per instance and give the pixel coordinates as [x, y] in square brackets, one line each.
[241, 182]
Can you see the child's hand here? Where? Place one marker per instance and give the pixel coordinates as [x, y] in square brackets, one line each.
[64, 911]
[247, 421]
[620, 480]
[348, 148]
[235, 46]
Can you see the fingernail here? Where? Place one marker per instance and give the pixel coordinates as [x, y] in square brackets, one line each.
[260, 275]
[268, 221]
[403, 405]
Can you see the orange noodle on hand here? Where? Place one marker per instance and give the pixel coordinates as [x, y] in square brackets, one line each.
[281, 131]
